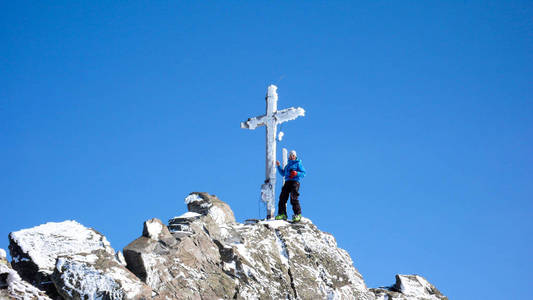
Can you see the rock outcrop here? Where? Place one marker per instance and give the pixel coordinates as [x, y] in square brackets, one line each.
[3, 257]
[409, 287]
[96, 275]
[185, 264]
[217, 257]
[201, 254]
[35, 250]
[72, 261]
[14, 287]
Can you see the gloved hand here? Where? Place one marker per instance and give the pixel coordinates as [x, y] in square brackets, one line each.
[293, 174]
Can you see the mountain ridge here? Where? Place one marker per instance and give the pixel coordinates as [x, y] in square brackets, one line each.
[202, 254]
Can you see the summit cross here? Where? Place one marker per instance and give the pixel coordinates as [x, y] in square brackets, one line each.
[271, 120]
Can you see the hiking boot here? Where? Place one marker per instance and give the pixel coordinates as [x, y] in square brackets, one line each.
[297, 218]
[281, 217]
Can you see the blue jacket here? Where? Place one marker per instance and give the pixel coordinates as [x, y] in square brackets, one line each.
[295, 165]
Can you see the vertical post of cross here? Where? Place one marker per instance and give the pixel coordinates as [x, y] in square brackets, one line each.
[271, 131]
[271, 120]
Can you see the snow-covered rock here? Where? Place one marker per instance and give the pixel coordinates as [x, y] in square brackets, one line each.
[96, 276]
[295, 261]
[211, 212]
[409, 287]
[202, 254]
[120, 258]
[34, 251]
[205, 204]
[3, 256]
[186, 269]
[157, 231]
[221, 258]
[13, 287]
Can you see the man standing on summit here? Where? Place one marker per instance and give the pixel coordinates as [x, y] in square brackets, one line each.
[293, 172]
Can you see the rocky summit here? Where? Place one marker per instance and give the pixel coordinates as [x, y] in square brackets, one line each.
[201, 254]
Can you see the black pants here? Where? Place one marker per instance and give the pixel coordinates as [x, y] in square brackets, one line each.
[290, 187]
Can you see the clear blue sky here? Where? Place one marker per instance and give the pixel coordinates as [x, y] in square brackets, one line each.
[418, 137]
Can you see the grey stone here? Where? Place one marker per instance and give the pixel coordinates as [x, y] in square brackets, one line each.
[157, 231]
[119, 257]
[96, 275]
[211, 205]
[216, 257]
[215, 216]
[188, 269]
[35, 250]
[409, 287]
[295, 261]
[3, 257]
[14, 287]
[202, 254]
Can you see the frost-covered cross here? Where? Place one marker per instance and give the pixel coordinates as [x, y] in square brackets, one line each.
[271, 120]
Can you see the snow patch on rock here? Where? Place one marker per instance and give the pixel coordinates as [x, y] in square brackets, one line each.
[153, 278]
[274, 224]
[193, 198]
[414, 285]
[80, 278]
[96, 276]
[119, 256]
[282, 247]
[218, 215]
[187, 215]
[154, 229]
[44, 243]
[409, 287]
[215, 257]
[16, 288]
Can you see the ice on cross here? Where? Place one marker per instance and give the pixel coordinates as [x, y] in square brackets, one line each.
[271, 120]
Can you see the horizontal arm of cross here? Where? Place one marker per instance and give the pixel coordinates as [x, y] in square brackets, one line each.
[252, 123]
[280, 116]
[288, 114]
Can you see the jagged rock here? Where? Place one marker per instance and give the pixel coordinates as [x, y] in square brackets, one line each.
[120, 258]
[96, 275]
[157, 231]
[3, 257]
[35, 250]
[295, 261]
[182, 223]
[216, 216]
[13, 287]
[188, 269]
[220, 258]
[317, 265]
[409, 287]
[206, 204]
[202, 254]
[209, 205]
